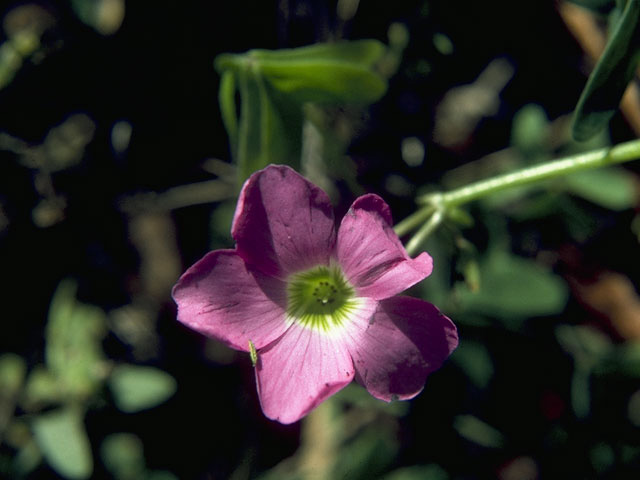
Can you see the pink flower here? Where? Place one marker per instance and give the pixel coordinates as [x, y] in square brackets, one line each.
[320, 308]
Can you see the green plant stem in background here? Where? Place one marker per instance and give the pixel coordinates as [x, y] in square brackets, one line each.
[436, 207]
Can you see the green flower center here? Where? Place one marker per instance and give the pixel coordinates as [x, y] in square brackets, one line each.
[320, 298]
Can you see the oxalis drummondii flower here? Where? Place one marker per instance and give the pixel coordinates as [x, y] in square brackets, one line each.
[316, 308]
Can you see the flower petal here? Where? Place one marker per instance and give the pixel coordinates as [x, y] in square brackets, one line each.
[405, 340]
[371, 254]
[222, 298]
[299, 371]
[283, 223]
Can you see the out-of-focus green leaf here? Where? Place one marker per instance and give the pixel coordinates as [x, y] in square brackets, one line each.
[530, 130]
[587, 346]
[137, 388]
[612, 187]
[477, 431]
[514, 287]
[633, 408]
[475, 360]
[443, 44]
[367, 455]
[624, 359]
[73, 351]
[581, 392]
[160, 475]
[437, 288]
[41, 388]
[12, 372]
[418, 472]
[64, 443]
[600, 6]
[105, 16]
[26, 460]
[602, 457]
[461, 217]
[589, 349]
[468, 265]
[220, 224]
[123, 455]
[356, 396]
[608, 81]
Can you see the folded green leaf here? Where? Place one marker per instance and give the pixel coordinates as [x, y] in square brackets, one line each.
[325, 82]
[363, 52]
[263, 137]
[615, 69]
[227, 99]
[274, 85]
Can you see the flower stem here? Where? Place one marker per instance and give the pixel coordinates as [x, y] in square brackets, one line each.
[414, 220]
[623, 152]
[442, 203]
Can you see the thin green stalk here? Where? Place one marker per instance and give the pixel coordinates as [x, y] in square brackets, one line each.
[623, 152]
[427, 229]
[414, 220]
[437, 205]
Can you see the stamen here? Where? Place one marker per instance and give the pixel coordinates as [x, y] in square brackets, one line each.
[320, 297]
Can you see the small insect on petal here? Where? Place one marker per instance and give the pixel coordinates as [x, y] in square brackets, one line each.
[253, 353]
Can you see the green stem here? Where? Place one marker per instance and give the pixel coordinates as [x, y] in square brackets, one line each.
[623, 152]
[414, 220]
[427, 229]
[443, 202]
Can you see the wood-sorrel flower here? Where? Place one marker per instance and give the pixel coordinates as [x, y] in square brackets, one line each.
[320, 308]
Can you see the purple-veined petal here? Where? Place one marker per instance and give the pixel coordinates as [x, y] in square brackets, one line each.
[222, 298]
[283, 223]
[405, 340]
[371, 254]
[299, 371]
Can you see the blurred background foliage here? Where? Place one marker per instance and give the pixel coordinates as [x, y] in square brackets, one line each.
[122, 148]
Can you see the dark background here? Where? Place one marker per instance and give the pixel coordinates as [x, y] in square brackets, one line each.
[156, 72]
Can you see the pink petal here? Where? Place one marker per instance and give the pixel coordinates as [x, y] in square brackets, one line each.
[405, 340]
[222, 298]
[299, 371]
[283, 223]
[371, 255]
